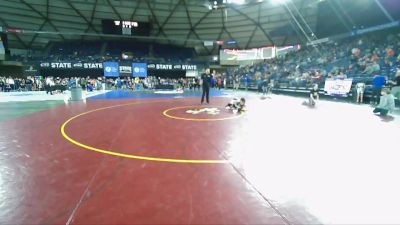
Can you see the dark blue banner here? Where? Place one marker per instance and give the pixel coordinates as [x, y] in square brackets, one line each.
[139, 69]
[111, 69]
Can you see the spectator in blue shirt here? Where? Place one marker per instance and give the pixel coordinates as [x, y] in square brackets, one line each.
[119, 83]
[247, 81]
[378, 83]
[72, 82]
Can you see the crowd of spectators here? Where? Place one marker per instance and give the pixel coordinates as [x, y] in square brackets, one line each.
[152, 82]
[58, 85]
[48, 84]
[8, 84]
[358, 58]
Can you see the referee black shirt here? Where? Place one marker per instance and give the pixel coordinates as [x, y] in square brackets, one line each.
[206, 78]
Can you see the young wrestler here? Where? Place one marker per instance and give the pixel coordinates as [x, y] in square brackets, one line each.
[237, 105]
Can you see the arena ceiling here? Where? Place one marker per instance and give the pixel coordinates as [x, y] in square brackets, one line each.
[182, 22]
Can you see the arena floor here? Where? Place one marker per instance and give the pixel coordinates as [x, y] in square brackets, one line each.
[123, 158]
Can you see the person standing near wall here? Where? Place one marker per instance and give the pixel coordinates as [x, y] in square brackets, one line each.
[360, 87]
[236, 82]
[49, 85]
[378, 83]
[219, 82]
[224, 82]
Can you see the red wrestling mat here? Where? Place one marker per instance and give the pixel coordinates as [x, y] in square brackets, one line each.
[51, 180]
[154, 130]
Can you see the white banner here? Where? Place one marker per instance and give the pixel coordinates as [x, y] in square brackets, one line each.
[234, 55]
[338, 86]
[192, 73]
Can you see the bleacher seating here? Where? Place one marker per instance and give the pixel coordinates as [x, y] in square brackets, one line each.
[173, 53]
[138, 49]
[75, 49]
[351, 58]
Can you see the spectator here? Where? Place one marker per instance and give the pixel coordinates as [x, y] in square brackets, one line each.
[49, 85]
[372, 68]
[377, 84]
[2, 84]
[396, 85]
[236, 82]
[219, 83]
[386, 103]
[28, 84]
[265, 84]
[360, 87]
[314, 95]
[10, 83]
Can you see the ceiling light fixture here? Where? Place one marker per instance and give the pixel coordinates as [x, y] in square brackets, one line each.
[238, 2]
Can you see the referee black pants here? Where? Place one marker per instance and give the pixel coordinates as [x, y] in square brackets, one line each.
[206, 92]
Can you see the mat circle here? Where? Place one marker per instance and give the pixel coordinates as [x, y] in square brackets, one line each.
[168, 114]
[132, 156]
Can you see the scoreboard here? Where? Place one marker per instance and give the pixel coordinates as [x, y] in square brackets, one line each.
[123, 27]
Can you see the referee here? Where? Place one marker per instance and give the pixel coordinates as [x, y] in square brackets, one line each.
[206, 78]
